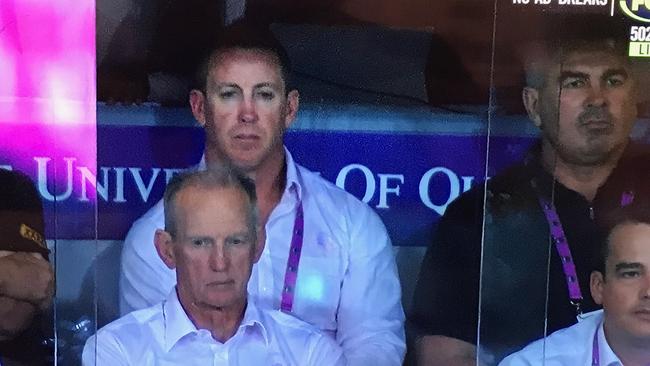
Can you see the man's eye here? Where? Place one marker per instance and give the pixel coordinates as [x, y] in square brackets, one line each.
[630, 274]
[266, 95]
[228, 94]
[573, 83]
[237, 241]
[199, 242]
[615, 81]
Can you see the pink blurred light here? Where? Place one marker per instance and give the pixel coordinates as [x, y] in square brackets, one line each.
[47, 81]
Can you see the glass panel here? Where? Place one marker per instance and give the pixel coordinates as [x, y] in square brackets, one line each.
[48, 129]
[571, 62]
[393, 108]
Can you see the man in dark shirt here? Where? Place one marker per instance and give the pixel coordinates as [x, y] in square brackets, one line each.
[496, 279]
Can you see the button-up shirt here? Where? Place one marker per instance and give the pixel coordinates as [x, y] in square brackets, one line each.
[568, 346]
[347, 282]
[164, 335]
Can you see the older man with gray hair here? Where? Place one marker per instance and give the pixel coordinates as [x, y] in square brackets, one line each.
[210, 240]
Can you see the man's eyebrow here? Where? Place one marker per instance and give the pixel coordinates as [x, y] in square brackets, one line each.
[572, 74]
[267, 84]
[627, 265]
[612, 72]
[225, 85]
[201, 237]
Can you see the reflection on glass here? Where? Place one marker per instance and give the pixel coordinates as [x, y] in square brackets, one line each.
[47, 129]
[541, 233]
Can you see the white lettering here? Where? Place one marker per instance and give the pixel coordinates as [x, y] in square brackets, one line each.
[467, 183]
[42, 179]
[119, 185]
[384, 189]
[144, 191]
[88, 177]
[169, 173]
[454, 188]
[370, 180]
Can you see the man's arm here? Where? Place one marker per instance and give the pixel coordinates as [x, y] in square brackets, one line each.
[444, 316]
[325, 351]
[444, 351]
[15, 317]
[26, 277]
[370, 316]
[144, 279]
[26, 285]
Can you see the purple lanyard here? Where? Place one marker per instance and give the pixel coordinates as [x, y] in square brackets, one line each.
[595, 354]
[563, 250]
[291, 273]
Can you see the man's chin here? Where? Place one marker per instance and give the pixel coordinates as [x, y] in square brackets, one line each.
[595, 153]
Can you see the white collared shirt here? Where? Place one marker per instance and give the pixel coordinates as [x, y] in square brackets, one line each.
[569, 346]
[347, 279]
[164, 335]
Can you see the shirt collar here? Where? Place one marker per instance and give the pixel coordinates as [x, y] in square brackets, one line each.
[253, 320]
[201, 165]
[607, 355]
[293, 183]
[178, 324]
[293, 174]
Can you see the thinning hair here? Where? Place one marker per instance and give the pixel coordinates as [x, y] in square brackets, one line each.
[215, 177]
[243, 35]
[635, 213]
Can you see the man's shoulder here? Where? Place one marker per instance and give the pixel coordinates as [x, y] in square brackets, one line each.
[139, 323]
[147, 224]
[291, 328]
[510, 183]
[564, 344]
[327, 192]
[154, 216]
[287, 323]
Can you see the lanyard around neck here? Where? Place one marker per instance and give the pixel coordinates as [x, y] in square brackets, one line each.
[563, 250]
[291, 273]
[595, 352]
[562, 245]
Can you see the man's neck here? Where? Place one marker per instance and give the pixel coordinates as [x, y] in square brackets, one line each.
[270, 180]
[269, 177]
[584, 179]
[222, 323]
[631, 352]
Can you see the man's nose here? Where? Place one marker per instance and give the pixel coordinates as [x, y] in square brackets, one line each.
[219, 260]
[596, 97]
[645, 288]
[248, 112]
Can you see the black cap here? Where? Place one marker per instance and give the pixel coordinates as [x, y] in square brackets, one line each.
[22, 227]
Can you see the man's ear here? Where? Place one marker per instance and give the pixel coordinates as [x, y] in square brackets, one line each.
[596, 283]
[197, 103]
[293, 102]
[530, 97]
[164, 246]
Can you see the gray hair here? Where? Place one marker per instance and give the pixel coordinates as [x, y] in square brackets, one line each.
[216, 177]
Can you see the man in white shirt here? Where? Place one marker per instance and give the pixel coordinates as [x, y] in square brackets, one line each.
[619, 335]
[210, 240]
[342, 276]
